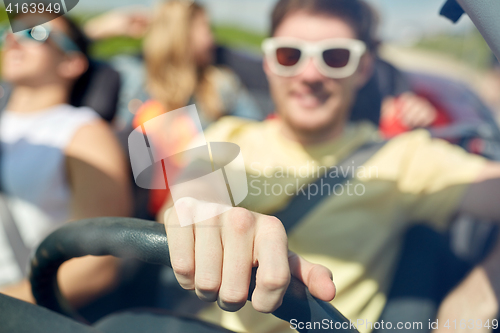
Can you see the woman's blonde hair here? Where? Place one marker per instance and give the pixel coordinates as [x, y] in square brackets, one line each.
[172, 75]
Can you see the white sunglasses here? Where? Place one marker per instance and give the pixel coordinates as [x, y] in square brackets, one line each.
[335, 58]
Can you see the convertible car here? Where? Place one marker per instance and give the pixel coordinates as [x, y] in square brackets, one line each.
[465, 120]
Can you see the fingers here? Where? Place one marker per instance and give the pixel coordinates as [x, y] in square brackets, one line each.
[208, 259]
[389, 107]
[317, 278]
[181, 248]
[216, 257]
[238, 235]
[415, 111]
[273, 273]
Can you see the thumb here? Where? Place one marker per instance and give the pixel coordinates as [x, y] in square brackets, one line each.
[317, 278]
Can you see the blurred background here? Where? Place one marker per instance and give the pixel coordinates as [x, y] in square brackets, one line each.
[415, 37]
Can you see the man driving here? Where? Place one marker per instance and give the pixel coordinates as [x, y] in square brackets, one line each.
[318, 57]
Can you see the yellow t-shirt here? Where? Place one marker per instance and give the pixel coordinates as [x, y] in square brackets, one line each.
[356, 233]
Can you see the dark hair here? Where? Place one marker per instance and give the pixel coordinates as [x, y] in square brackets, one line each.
[73, 31]
[361, 16]
[80, 86]
[78, 37]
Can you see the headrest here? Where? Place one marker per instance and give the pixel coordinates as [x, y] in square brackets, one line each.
[98, 89]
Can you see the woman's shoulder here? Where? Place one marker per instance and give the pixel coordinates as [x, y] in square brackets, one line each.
[70, 119]
[54, 126]
[68, 115]
[91, 137]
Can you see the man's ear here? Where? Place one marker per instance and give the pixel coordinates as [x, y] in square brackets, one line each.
[265, 66]
[365, 69]
[73, 66]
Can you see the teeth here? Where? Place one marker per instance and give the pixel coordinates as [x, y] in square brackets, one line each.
[308, 100]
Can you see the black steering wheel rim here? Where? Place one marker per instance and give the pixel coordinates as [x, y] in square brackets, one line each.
[146, 241]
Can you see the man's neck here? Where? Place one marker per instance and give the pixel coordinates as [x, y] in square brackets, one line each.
[312, 138]
[32, 99]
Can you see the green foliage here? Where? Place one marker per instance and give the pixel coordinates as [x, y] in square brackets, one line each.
[106, 49]
[238, 38]
[470, 48]
[225, 35]
[3, 16]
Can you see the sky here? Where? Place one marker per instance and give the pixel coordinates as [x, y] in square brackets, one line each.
[402, 20]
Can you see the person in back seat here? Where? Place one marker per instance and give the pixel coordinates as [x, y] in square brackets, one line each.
[58, 163]
[319, 55]
[179, 54]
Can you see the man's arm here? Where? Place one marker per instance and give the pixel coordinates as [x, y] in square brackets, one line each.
[482, 198]
[132, 21]
[477, 297]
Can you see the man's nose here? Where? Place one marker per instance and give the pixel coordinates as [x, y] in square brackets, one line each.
[311, 72]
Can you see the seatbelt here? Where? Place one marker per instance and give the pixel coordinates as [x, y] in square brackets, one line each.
[303, 203]
[21, 252]
[5, 91]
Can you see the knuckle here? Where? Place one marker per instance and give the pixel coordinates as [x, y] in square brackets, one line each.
[241, 220]
[238, 213]
[271, 227]
[274, 222]
[182, 209]
[182, 267]
[232, 296]
[207, 284]
[275, 281]
[185, 202]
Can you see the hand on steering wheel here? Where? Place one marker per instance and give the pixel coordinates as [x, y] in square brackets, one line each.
[215, 258]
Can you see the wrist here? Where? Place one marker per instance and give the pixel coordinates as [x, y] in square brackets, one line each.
[480, 292]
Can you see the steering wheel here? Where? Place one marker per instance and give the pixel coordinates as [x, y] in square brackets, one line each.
[147, 241]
